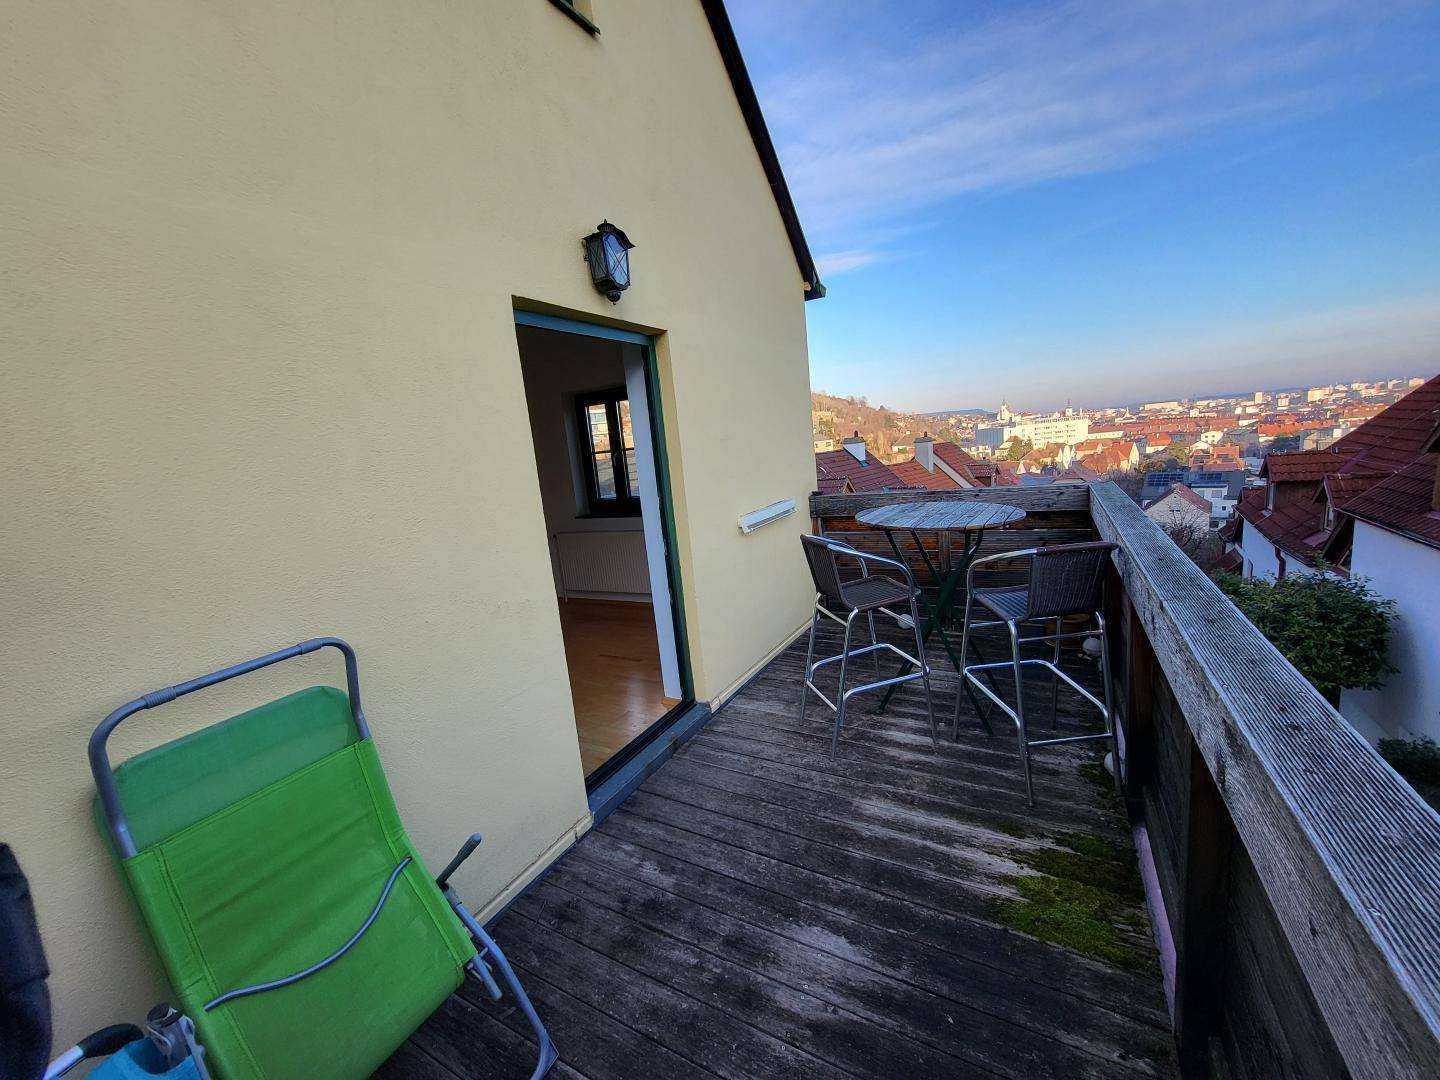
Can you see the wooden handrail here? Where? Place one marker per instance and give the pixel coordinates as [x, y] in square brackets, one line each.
[1030, 499]
[1347, 853]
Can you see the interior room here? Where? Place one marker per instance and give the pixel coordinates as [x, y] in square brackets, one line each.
[597, 474]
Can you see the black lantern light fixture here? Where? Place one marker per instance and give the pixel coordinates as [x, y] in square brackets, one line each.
[607, 250]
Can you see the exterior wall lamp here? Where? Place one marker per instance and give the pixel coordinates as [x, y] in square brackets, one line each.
[607, 251]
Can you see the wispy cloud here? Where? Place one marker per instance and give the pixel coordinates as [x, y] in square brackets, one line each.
[895, 109]
[833, 263]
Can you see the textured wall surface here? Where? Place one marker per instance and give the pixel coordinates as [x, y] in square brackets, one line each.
[258, 264]
[1408, 705]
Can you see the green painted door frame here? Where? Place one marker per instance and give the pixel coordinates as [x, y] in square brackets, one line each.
[666, 499]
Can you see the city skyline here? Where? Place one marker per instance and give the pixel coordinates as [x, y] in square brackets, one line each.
[1023, 408]
[1073, 200]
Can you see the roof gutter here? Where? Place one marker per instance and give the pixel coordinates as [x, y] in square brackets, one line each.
[724, 35]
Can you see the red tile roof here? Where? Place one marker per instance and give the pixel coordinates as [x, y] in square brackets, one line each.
[916, 475]
[1403, 502]
[979, 473]
[1114, 458]
[1340, 488]
[1297, 529]
[1229, 563]
[1185, 494]
[1007, 473]
[1394, 438]
[1302, 466]
[864, 476]
[1078, 471]
[1292, 428]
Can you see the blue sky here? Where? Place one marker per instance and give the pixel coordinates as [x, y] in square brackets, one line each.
[1108, 201]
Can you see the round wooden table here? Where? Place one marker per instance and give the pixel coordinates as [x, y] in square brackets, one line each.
[970, 518]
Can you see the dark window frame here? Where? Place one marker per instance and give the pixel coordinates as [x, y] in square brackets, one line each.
[625, 502]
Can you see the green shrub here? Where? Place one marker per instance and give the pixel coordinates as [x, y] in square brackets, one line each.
[1336, 632]
[1416, 761]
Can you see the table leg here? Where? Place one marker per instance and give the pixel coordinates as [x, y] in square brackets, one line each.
[935, 614]
[932, 615]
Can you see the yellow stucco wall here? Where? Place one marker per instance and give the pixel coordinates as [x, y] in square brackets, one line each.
[257, 267]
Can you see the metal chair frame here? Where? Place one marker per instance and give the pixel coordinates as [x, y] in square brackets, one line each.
[875, 648]
[1018, 664]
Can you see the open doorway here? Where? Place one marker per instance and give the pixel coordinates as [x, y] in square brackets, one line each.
[602, 487]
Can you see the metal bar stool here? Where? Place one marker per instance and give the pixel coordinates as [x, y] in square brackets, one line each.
[1062, 581]
[843, 601]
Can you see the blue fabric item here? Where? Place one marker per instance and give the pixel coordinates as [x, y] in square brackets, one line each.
[24, 1000]
[139, 1061]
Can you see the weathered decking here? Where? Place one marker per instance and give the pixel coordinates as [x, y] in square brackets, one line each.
[759, 910]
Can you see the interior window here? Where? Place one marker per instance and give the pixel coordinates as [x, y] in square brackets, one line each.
[607, 438]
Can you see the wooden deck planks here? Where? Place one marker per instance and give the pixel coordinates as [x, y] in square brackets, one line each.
[758, 909]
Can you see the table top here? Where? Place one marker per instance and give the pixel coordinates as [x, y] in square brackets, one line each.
[943, 515]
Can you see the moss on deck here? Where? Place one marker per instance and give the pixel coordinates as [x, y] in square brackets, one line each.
[1085, 893]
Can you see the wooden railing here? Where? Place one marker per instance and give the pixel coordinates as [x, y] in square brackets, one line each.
[1054, 514]
[1298, 876]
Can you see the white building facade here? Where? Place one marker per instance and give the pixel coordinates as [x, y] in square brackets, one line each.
[1059, 428]
[1408, 705]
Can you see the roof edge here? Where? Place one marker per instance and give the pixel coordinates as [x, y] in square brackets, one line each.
[725, 40]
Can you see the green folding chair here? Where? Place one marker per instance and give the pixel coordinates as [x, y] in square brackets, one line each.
[300, 930]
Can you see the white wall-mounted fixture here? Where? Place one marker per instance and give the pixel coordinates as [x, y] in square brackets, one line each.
[766, 515]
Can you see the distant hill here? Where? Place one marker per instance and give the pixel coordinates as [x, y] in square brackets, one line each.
[882, 428]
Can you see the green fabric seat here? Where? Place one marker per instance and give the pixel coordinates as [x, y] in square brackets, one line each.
[264, 843]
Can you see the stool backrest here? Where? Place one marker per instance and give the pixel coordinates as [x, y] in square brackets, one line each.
[1068, 579]
[824, 570]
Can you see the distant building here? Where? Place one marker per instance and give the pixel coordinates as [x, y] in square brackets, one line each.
[1319, 438]
[1295, 519]
[1056, 428]
[1221, 489]
[991, 436]
[1181, 508]
[1386, 528]
[822, 442]
[1119, 455]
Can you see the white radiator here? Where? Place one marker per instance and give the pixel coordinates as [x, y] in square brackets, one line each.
[602, 562]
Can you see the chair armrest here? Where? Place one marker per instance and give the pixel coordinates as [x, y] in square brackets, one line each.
[466, 850]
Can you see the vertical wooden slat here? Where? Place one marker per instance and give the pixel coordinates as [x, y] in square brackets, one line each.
[1201, 939]
[1139, 661]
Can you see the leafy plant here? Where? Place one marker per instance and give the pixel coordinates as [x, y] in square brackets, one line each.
[1335, 631]
[1018, 448]
[1418, 760]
